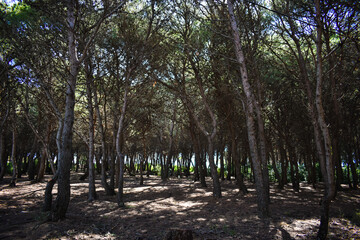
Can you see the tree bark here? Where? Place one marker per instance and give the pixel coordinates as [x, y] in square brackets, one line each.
[257, 159]
[64, 164]
[327, 161]
[3, 159]
[109, 191]
[170, 149]
[236, 161]
[89, 87]
[42, 162]
[48, 193]
[13, 157]
[120, 157]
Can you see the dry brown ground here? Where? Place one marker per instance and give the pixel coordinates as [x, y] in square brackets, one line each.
[154, 208]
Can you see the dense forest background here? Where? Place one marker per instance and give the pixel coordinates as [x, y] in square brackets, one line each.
[258, 91]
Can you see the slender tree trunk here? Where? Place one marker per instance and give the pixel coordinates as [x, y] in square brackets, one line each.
[352, 168]
[50, 185]
[13, 158]
[198, 160]
[3, 159]
[109, 191]
[222, 170]
[210, 136]
[337, 119]
[89, 87]
[236, 160]
[213, 169]
[113, 157]
[273, 163]
[228, 165]
[120, 157]
[257, 159]
[31, 165]
[42, 162]
[327, 165]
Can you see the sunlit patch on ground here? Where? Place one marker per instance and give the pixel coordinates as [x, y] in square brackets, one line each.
[157, 206]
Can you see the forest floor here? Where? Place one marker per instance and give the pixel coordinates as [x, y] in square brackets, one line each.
[157, 206]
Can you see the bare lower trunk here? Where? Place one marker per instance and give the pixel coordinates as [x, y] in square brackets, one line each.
[13, 159]
[64, 164]
[48, 193]
[236, 160]
[213, 169]
[120, 196]
[198, 160]
[89, 87]
[41, 172]
[3, 159]
[222, 176]
[109, 191]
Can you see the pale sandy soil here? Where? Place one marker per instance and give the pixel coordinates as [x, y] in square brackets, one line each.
[154, 208]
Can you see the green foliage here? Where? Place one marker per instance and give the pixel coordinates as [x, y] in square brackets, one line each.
[156, 170]
[20, 14]
[9, 167]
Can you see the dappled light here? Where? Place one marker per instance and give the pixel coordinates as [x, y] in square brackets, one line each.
[179, 119]
[153, 209]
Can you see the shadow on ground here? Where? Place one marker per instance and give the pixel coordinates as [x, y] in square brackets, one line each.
[157, 206]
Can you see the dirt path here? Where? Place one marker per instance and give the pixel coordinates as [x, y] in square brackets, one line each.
[156, 207]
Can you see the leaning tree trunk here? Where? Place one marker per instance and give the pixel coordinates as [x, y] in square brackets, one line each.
[209, 136]
[48, 193]
[257, 162]
[50, 184]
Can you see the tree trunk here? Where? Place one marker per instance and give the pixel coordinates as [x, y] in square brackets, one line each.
[31, 165]
[273, 162]
[228, 165]
[170, 148]
[13, 158]
[42, 162]
[249, 105]
[352, 168]
[236, 160]
[198, 160]
[64, 164]
[48, 193]
[120, 157]
[327, 165]
[3, 159]
[213, 169]
[89, 87]
[222, 175]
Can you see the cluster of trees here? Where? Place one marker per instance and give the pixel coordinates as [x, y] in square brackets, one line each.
[219, 85]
